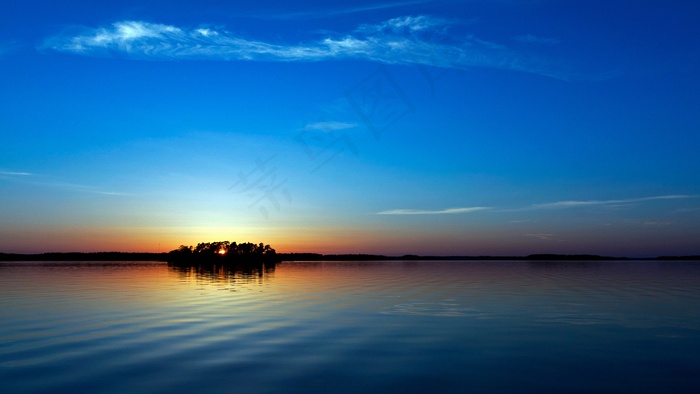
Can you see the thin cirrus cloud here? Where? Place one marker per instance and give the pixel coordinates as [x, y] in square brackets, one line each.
[585, 203]
[429, 212]
[410, 24]
[44, 181]
[542, 236]
[328, 126]
[342, 11]
[532, 39]
[79, 188]
[15, 173]
[416, 40]
[7, 47]
[551, 205]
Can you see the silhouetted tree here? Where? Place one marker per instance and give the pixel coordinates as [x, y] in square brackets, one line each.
[224, 252]
[185, 250]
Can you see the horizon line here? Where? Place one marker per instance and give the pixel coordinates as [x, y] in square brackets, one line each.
[388, 256]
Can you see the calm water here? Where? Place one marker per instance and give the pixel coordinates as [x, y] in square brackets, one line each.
[349, 327]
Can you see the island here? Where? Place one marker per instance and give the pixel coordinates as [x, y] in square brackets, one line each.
[224, 252]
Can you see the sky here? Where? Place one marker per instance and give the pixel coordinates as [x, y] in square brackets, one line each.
[503, 127]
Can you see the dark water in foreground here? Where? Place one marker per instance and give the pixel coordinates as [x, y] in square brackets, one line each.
[349, 327]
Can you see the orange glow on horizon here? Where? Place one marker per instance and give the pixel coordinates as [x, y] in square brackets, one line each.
[300, 239]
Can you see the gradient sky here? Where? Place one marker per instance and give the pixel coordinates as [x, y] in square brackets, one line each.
[424, 127]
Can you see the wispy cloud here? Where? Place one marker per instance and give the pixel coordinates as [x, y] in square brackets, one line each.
[80, 188]
[8, 46]
[45, 181]
[427, 212]
[328, 126]
[542, 236]
[551, 205]
[93, 190]
[585, 203]
[15, 173]
[419, 40]
[407, 24]
[657, 223]
[343, 11]
[532, 39]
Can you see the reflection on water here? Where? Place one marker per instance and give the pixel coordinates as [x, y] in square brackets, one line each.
[390, 326]
[224, 272]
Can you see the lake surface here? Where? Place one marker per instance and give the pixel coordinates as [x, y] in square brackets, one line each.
[349, 327]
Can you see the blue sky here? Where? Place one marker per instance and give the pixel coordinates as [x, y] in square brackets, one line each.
[441, 127]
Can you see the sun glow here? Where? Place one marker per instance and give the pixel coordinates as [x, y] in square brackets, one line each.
[221, 251]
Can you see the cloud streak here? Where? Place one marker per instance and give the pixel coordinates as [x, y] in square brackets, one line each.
[328, 126]
[43, 181]
[542, 236]
[552, 205]
[7, 47]
[344, 11]
[586, 203]
[532, 39]
[15, 173]
[428, 212]
[409, 40]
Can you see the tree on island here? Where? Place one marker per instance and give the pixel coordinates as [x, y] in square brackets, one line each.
[224, 252]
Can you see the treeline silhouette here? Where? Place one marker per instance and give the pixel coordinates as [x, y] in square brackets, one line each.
[227, 252]
[375, 257]
[224, 252]
[88, 256]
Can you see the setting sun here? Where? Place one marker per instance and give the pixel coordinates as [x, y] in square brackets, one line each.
[416, 196]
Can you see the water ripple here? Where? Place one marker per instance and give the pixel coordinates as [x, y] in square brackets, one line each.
[441, 309]
[350, 327]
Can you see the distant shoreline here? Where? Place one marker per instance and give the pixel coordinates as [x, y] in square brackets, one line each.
[128, 256]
